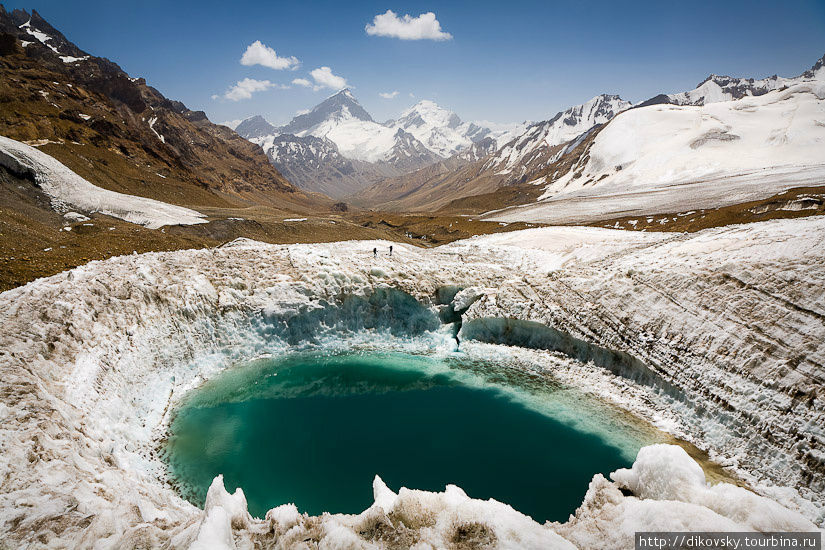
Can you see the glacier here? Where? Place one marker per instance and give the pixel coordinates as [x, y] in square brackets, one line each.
[715, 337]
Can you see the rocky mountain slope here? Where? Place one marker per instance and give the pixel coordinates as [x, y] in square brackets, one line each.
[316, 164]
[255, 127]
[121, 134]
[428, 188]
[358, 150]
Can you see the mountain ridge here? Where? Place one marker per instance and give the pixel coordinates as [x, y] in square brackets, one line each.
[491, 167]
[365, 151]
[544, 151]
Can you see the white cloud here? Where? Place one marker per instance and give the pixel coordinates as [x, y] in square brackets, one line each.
[259, 53]
[244, 89]
[388, 95]
[325, 79]
[423, 27]
[412, 95]
[302, 82]
[232, 123]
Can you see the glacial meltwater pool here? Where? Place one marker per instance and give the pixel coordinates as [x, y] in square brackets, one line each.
[315, 429]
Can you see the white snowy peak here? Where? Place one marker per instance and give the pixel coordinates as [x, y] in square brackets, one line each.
[424, 134]
[530, 147]
[340, 119]
[578, 119]
[355, 137]
[439, 129]
[341, 106]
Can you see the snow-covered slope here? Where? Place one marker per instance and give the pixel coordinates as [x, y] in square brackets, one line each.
[355, 137]
[439, 129]
[668, 144]
[669, 158]
[68, 190]
[537, 146]
[715, 336]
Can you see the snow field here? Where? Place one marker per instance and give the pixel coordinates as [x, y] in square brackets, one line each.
[68, 190]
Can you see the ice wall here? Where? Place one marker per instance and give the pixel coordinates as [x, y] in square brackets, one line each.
[93, 360]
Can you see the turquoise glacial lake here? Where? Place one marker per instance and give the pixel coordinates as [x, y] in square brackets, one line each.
[314, 429]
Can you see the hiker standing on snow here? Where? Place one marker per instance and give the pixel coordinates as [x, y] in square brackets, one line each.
[390, 250]
[374, 252]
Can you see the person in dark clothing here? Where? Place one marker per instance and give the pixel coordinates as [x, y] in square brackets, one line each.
[374, 252]
[390, 250]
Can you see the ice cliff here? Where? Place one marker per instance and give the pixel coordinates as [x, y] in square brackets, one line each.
[715, 336]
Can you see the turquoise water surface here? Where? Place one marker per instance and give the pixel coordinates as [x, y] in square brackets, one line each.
[315, 429]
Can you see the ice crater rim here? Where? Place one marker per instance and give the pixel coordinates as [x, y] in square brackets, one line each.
[388, 319]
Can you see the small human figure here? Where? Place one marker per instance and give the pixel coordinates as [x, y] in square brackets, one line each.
[390, 250]
[375, 252]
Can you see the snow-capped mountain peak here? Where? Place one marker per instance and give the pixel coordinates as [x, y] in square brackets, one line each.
[439, 129]
[430, 113]
[430, 132]
[337, 146]
[339, 106]
[580, 118]
[532, 149]
[817, 72]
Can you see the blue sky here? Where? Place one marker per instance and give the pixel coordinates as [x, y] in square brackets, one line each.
[506, 61]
